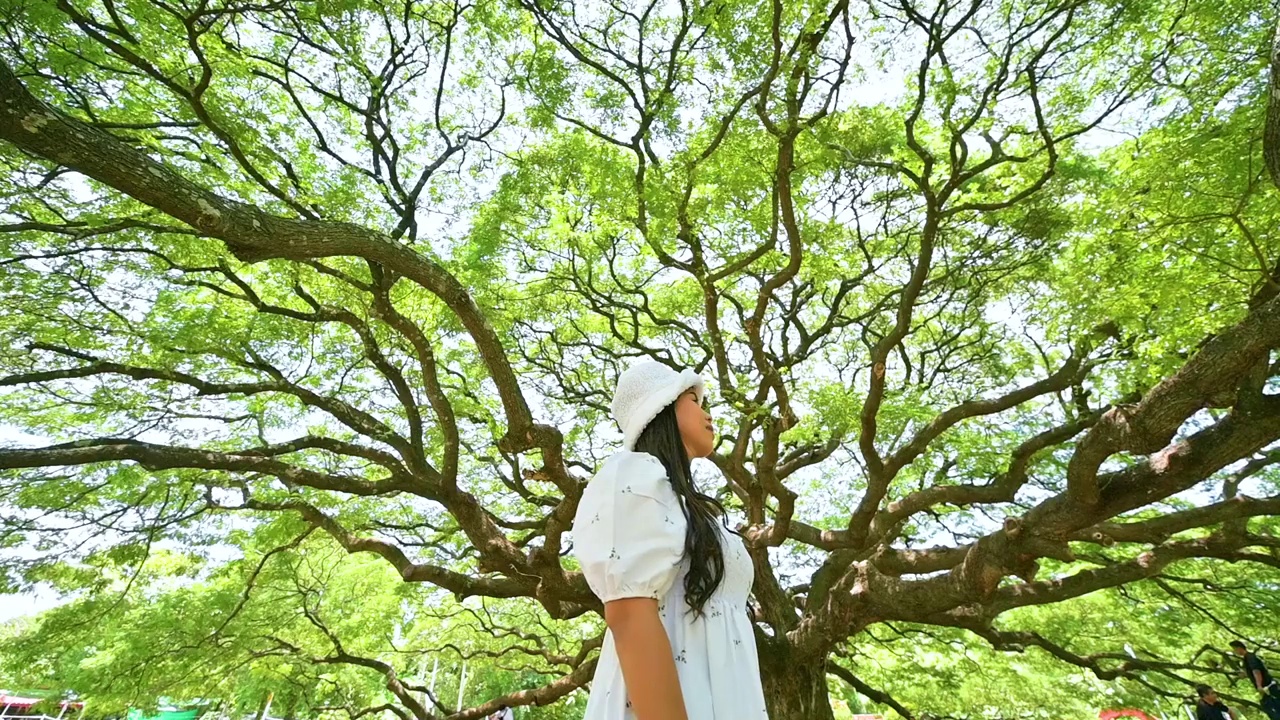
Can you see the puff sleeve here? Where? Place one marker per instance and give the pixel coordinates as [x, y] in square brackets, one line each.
[629, 529]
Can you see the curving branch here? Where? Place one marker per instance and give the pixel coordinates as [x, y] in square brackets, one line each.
[876, 696]
[349, 415]
[254, 235]
[461, 584]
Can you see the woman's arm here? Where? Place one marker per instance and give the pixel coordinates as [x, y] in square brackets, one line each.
[648, 665]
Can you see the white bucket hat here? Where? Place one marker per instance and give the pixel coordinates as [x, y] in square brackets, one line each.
[643, 391]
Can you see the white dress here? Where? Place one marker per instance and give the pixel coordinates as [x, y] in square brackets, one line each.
[629, 538]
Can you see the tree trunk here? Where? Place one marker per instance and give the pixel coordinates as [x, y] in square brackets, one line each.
[794, 688]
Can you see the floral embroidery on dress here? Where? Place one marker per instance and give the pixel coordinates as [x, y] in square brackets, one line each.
[650, 458]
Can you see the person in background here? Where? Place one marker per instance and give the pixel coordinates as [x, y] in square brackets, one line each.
[1210, 707]
[1261, 680]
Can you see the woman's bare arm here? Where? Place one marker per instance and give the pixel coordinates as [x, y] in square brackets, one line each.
[648, 665]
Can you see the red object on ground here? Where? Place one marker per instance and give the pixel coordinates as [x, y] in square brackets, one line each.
[1126, 713]
[26, 702]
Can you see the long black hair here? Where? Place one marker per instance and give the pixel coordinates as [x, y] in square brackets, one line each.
[661, 439]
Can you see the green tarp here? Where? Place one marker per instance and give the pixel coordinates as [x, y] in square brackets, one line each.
[163, 715]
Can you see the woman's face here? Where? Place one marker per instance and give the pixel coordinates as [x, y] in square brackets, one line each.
[696, 430]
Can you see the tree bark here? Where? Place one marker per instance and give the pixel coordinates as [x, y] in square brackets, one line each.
[794, 688]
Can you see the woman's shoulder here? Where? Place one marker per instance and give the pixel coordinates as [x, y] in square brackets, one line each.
[631, 461]
[634, 473]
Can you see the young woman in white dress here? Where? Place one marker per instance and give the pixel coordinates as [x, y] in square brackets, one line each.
[673, 579]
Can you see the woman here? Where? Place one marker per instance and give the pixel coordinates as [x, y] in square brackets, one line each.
[674, 580]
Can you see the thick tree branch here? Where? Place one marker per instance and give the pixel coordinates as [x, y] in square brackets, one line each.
[167, 457]
[1147, 426]
[1162, 528]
